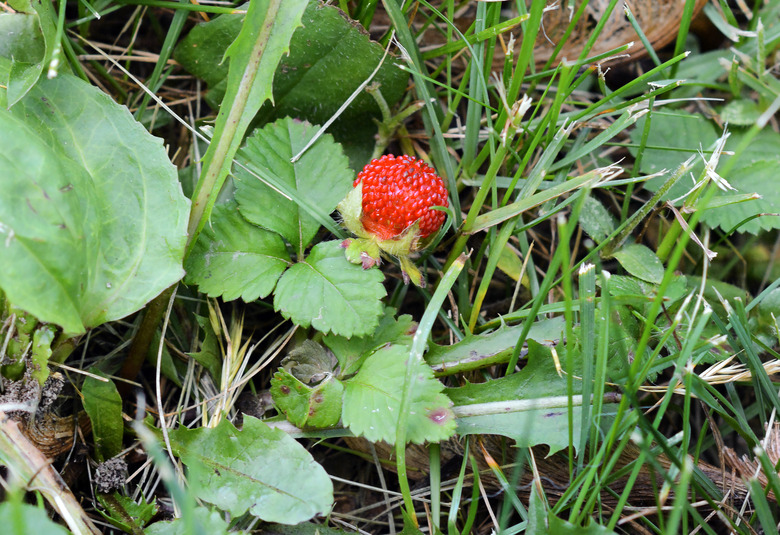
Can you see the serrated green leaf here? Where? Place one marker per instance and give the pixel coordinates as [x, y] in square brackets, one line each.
[233, 258]
[330, 56]
[304, 405]
[674, 137]
[203, 521]
[538, 379]
[321, 176]
[641, 262]
[530, 427]
[372, 399]
[19, 518]
[254, 56]
[351, 352]
[257, 469]
[495, 345]
[330, 294]
[91, 211]
[761, 178]
[684, 134]
[103, 404]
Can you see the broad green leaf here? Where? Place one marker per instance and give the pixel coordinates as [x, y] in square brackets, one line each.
[510, 263]
[641, 262]
[304, 405]
[91, 211]
[674, 137]
[715, 291]
[493, 347]
[595, 220]
[124, 513]
[233, 258]
[203, 522]
[682, 135]
[761, 178]
[639, 294]
[321, 177]
[372, 399]
[740, 112]
[330, 56]
[103, 404]
[330, 294]
[19, 518]
[257, 469]
[529, 427]
[538, 379]
[351, 352]
[29, 39]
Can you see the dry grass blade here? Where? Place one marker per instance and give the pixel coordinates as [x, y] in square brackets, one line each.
[35, 469]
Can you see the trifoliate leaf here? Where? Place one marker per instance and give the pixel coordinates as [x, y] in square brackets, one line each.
[351, 352]
[328, 293]
[372, 400]
[257, 469]
[317, 181]
[233, 258]
[304, 405]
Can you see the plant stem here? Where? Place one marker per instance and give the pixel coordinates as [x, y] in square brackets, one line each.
[143, 339]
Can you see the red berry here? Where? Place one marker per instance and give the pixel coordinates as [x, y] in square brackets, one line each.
[397, 192]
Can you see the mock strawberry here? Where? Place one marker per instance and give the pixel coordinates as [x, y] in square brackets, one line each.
[397, 192]
[390, 209]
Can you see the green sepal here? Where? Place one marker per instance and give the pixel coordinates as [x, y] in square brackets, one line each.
[351, 208]
[363, 251]
[411, 272]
